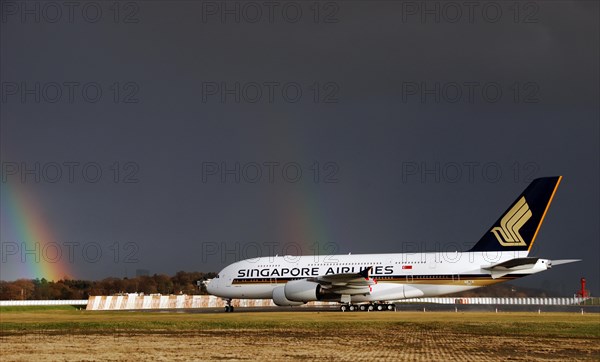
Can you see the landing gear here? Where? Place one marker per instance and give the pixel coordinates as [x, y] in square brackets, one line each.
[367, 307]
[376, 306]
[385, 306]
[228, 306]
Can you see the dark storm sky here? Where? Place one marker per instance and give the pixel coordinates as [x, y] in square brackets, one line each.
[360, 96]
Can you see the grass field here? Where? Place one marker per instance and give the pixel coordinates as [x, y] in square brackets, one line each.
[66, 333]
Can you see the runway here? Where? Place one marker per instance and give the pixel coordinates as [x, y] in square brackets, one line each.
[400, 307]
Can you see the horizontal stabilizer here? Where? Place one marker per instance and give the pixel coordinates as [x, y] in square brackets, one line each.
[501, 269]
[513, 263]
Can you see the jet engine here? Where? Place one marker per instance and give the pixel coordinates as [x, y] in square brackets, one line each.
[280, 299]
[302, 291]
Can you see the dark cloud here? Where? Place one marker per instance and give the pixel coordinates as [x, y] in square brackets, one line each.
[381, 91]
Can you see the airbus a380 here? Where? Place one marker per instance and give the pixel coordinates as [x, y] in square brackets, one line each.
[372, 281]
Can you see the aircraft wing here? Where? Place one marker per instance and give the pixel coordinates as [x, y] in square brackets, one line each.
[346, 283]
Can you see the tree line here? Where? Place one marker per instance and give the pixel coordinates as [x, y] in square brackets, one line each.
[35, 289]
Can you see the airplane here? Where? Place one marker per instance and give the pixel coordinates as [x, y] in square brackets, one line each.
[373, 281]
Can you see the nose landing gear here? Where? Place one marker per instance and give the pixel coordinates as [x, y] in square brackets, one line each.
[228, 306]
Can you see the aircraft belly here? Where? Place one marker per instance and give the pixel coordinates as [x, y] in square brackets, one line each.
[394, 292]
[411, 291]
[432, 290]
[255, 291]
[383, 291]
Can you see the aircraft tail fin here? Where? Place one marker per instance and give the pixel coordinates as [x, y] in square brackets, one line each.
[517, 228]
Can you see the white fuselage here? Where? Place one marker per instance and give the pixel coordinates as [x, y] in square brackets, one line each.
[397, 276]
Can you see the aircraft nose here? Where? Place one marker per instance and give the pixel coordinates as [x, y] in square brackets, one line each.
[211, 286]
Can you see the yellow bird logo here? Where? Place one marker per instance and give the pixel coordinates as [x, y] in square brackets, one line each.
[508, 231]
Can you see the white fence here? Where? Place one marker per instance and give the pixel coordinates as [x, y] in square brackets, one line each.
[498, 301]
[133, 301]
[27, 303]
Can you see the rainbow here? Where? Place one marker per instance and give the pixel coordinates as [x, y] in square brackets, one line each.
[304, 229]
[34, 251]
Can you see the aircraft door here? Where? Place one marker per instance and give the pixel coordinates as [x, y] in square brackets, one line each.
[228, 280]
[432, 260]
